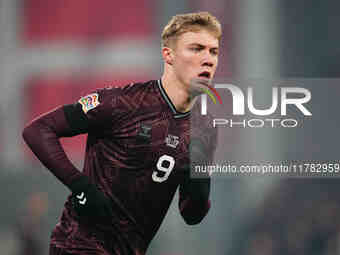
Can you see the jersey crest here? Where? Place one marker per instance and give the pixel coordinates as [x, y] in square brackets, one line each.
[172, 141]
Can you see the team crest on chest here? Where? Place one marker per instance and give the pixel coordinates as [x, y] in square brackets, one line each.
[172, 141]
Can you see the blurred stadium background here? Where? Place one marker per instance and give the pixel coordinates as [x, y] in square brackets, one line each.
[52, 52]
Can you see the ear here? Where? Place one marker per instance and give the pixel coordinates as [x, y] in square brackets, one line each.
[167, 54]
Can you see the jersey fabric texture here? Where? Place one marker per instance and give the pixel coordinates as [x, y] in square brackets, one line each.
[137, 154]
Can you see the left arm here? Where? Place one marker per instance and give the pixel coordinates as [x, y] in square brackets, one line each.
[194, 202]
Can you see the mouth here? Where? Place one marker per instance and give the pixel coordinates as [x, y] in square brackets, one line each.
[205, 75]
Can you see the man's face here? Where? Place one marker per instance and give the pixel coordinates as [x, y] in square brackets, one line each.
[195, 57]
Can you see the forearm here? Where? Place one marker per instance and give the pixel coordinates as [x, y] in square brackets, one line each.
[194, 193]
[42, 136]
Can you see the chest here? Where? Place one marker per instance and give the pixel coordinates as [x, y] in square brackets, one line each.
[141, 139]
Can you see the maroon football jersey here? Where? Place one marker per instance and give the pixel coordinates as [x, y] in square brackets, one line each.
[136, 153]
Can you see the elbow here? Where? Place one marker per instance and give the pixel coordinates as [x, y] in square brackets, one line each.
[31, 132]
[26, 133]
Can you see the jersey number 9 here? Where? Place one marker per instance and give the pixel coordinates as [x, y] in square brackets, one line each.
[165, 164]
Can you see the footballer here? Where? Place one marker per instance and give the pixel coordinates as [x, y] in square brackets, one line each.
[137, 151]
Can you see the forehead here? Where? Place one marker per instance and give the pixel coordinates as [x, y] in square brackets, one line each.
[202, 37]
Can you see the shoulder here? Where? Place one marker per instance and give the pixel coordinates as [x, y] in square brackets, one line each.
[114, 94]
[137, 96]
[136, 91]
[139, 92]
[115, 100]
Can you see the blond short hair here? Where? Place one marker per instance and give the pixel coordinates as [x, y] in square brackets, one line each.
[190, 22]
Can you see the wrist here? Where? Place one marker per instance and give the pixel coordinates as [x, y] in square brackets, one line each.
[80, 184]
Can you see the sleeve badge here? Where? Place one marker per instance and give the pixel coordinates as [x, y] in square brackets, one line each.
[89, 102]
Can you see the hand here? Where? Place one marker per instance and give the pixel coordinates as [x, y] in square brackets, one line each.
[89, 202]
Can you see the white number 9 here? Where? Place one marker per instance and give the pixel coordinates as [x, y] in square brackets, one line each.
[165, 170]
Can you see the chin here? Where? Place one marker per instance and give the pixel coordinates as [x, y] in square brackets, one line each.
[200, 83]
[196, 89]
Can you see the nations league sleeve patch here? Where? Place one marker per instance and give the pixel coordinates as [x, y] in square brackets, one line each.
[89, 102]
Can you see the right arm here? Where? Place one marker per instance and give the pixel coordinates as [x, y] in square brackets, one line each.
[43, 133]
[42, 136]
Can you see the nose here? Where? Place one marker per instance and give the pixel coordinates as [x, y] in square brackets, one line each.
[208, 63]
[208, 59]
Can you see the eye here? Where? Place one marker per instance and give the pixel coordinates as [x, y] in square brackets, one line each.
[196, 49]
[214, 52]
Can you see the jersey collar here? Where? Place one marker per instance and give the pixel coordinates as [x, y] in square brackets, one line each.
[165, 96]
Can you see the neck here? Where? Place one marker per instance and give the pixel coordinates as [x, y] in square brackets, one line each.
[178, 93]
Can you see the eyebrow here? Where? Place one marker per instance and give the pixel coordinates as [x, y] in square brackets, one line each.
[202, 46]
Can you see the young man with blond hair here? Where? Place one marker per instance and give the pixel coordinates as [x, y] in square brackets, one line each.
[137, 151]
